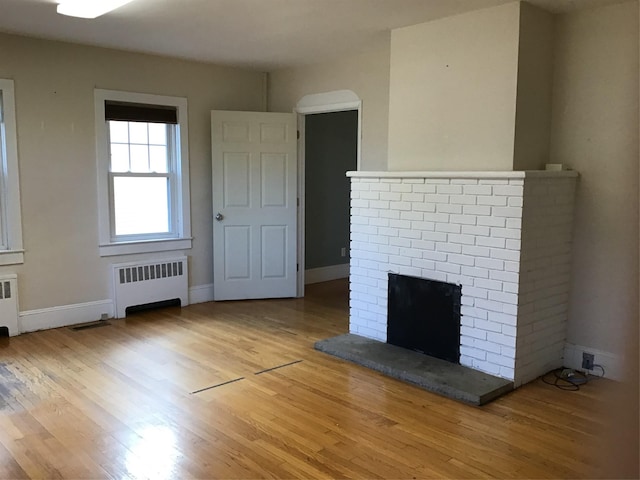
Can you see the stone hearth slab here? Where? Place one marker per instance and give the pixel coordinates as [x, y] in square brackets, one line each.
[438, 376]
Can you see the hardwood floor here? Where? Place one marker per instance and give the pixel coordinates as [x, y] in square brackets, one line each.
[118, 402]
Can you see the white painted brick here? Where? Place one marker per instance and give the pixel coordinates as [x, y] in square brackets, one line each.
[381, 240]
[400, 187]
[435, 256]
[436, 198]
[473, 333]
[379, 187]
[477, 190]
[436, 217]
[493, 181]
[475, 272]
[390, 180]
[413, 197]
[490, 242]
[488, 367]
[399, 223]
[505, 233]
[494, 201]
[509, 330]
[438, 181]
[508, 352]
[476, 209]
[475, 292]
[409, 233]
[501, 339]
[424, 207]
[411, 271]
[510, 287]
[423, 245]
[500, 360]
[490, 306]
[493, 285]
[462, 239]
[433, 275]
[447, 227]
[400, 242]
[508, 190]
[491, 264]
[464, 219]
[503, 297]
[370, 195]
[448, 208]
[413, 180]
[492, 221]
[486, 345]
[514, 223]
[379, 222]
[476, 251]
[450, 189]
[400, 205]
[487, 325]
[473, 352]
[411, 252]
[508, 373]
[448, 247]
[512, 266]
[358, 186]
[424, 188]
[399, 260]
[476, 230]
[393, 196]
[515, 202]
[379, 204]
[368, 229]
[512, 244]
[510, 255]
[510, 212]
[448, 267]
[461, 260]
[394, 214]
[463, 199]
[434, 236]
[356, 203]
[503, 318]
[412, 216]
[425, 264]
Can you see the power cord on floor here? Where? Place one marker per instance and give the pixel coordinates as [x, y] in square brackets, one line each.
[570, 379]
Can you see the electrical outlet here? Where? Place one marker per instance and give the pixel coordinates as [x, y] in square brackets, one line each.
[104, 316]
[587, 360]
[343, 252]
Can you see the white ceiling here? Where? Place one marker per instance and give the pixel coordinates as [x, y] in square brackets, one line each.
[260, 34]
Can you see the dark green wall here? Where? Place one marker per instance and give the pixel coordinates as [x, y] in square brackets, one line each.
[330, 151]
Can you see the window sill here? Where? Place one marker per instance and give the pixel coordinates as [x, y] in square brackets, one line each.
[147, 246]
[11, 257]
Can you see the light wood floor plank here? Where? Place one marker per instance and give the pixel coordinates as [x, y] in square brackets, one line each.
[118, 402]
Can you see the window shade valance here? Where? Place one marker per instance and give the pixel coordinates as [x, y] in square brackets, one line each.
[137, 112]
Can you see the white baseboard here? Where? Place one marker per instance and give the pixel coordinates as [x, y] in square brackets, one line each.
[63, 316]
[325, 274]
[611, 362]
[201, 293]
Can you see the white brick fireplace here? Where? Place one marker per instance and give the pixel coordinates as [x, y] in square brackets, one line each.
[505, 237]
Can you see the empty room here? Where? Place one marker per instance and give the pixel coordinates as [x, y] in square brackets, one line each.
[319, 239]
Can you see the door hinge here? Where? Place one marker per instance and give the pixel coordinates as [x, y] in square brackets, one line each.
[298, 134]
[298, 201]
[297, 267]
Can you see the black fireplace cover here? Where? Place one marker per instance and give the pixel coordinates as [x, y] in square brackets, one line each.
[424, 315]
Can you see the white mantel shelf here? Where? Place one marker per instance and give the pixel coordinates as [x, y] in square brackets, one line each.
[465, 174]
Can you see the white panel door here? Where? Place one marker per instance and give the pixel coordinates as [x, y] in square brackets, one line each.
[254, 204]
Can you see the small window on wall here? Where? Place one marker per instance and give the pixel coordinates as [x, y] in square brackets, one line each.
[142, 173]
[11, 251]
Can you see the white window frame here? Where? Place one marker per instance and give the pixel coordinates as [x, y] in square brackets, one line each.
[181, 239]
[11, 249]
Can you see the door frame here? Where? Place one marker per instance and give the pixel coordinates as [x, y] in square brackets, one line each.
[336, 101]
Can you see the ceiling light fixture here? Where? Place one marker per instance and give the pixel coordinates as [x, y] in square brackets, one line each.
[88, 8]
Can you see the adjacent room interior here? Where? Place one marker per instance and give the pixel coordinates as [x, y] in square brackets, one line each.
[158, 317]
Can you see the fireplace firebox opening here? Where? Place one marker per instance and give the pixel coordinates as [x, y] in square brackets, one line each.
[424, 315]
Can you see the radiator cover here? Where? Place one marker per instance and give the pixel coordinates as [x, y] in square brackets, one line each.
[140, 283]
[9, 303]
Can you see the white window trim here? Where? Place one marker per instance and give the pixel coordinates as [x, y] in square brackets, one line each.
[13, 217]
[107, 246]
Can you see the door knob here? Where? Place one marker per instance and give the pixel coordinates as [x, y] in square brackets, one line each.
[219, 216]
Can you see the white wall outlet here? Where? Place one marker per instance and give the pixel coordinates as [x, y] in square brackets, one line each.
[104, 316]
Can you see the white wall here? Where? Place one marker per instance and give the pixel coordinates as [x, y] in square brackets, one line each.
[594, 129]
[54, 85]
[535, 75]
[366, 74]
[453, 83]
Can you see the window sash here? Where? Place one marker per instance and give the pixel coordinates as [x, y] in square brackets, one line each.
[4, 240]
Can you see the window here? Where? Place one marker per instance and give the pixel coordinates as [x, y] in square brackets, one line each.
[143, 175]
[11, 251]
